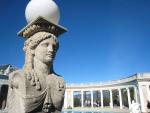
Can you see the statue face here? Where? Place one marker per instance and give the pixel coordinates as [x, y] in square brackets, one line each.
[46, 50]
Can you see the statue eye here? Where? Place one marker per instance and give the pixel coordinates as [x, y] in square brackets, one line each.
[44, 45]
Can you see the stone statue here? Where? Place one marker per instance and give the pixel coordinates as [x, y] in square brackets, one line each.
[135, 107]
[37, 88]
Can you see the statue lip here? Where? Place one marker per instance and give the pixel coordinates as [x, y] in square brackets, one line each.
[50, 55]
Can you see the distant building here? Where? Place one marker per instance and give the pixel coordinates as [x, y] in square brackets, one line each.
[118, 93]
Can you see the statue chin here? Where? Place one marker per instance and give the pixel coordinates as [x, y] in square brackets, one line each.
[49, 60]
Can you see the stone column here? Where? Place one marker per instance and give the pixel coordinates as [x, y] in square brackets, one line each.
[120, 98]
[111, 99]
[65, 100]
[142, 103]
[82, 98]
[91, 98]
[72, 99]
[148, 92]
[129, 98]
[136, 94]
[101, 98]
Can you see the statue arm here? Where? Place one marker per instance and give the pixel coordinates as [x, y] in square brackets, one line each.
[17, 79]
[13, 80]
[12, 84]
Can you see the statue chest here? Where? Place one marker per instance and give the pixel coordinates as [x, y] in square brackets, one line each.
[31, 89]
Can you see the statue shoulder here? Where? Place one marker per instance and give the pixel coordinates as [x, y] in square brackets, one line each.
[60, 78]
[56, 82]
[57, 79]
[16, 77]
[17, 73]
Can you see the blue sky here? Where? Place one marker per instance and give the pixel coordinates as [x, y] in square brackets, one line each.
[106, 39]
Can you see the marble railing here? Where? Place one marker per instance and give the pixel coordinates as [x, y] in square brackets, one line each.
[3, 82]
[134, 77]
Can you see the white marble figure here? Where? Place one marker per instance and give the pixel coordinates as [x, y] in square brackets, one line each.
[135, 107]
[37, 88]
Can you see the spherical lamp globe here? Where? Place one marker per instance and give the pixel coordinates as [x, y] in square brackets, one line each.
[44, 8]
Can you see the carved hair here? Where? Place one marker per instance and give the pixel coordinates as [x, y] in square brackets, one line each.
[29, 47]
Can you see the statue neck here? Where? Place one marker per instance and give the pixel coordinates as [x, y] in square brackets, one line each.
[42, 68]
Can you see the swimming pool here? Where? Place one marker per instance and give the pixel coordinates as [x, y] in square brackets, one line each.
[4, 111]
[89, 112]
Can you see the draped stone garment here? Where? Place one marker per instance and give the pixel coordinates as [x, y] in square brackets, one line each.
[24, 98]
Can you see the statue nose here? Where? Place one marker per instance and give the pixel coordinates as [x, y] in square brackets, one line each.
[50, 48]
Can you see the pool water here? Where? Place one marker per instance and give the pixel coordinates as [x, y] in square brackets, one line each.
[88, 112]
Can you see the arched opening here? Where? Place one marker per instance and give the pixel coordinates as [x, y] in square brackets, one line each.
[124, 98]
[87, 98]
[132, 94]
[106, 98]
[115, 94]
[3, 96]
[96, 98]
[77, 98]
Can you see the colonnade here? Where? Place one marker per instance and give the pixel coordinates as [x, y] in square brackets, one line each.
[69, 96]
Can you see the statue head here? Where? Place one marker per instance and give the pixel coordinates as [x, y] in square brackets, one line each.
[46, 50]
[41, 46]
